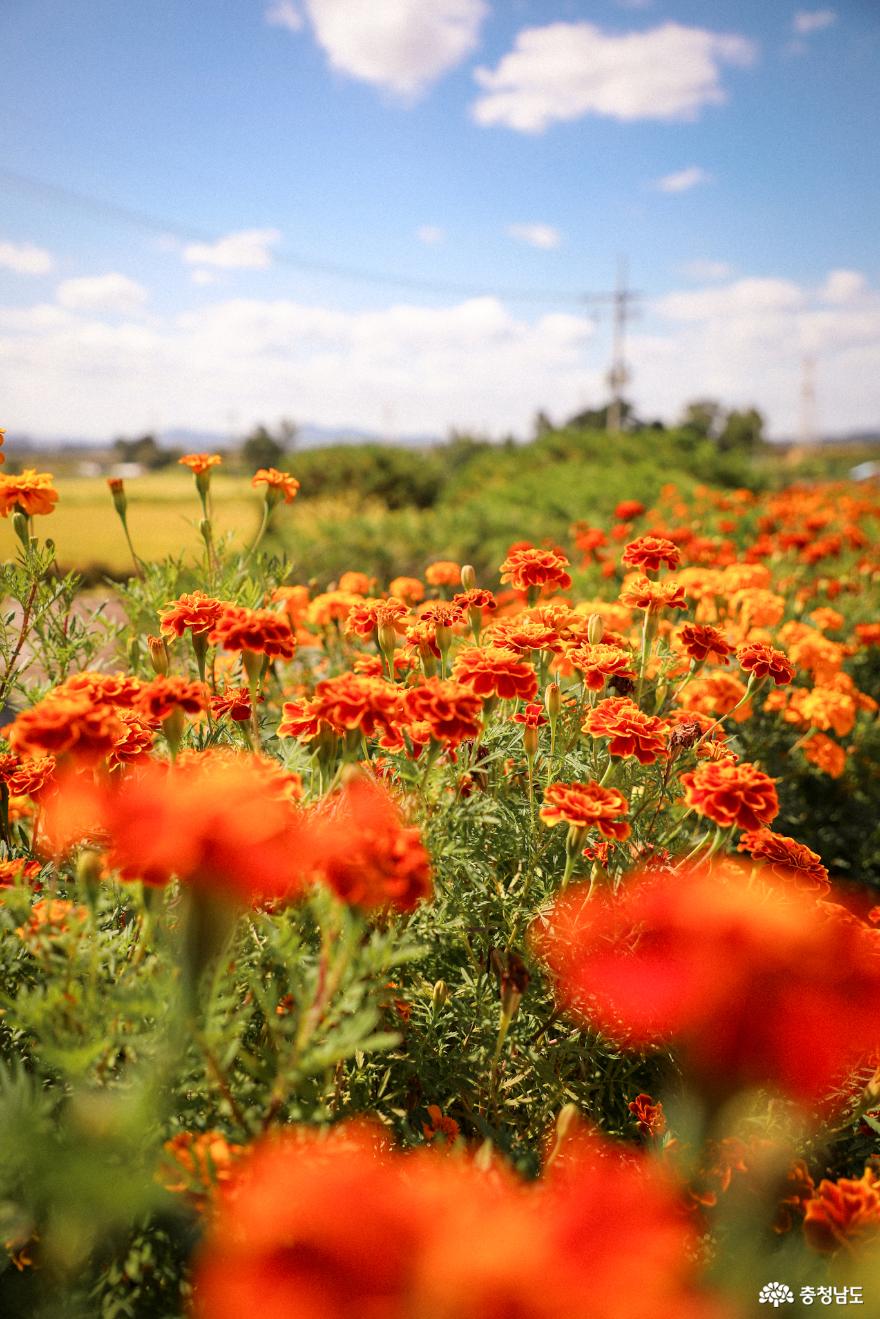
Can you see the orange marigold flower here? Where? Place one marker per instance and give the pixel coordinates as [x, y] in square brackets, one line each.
[702, 642]
[409, 589]
[197, 1162]
[199, 463]
[50, 918]
[27, 778]
[650, 553]
[331, 607]
[358, 845]
[764, 661]
[439, 1125]
[443, 573]
[844, 1213]
[279, 485]
[825, 754]
[294, 601]
[198, 612]
[31, 491]
[653, 596]
[493, 671]
[234, 702]
[452, 711]
[630, 731]
[786, 858]
[796, 1007]
[345, 703]
[649, 1115]
[260, 631]
[532, 569]
[628, 509]
[868, 634]
[160, 697]
[366, 617]
[584, 806]
[119, 689]
[739, 795]
[523, 635]
[532, 716]
[66, 725]
[719, 694]
[598, 663]
[136, 741]
[17, 871]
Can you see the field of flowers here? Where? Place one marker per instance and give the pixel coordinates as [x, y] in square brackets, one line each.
[437, 948]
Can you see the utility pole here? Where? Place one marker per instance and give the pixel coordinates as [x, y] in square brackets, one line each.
[808, 400]
[619, 376]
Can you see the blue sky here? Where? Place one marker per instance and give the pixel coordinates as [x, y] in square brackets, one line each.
[727, 150]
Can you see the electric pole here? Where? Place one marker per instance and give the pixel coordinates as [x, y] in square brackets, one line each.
[619, 376]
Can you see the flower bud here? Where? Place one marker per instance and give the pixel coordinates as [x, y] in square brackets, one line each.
[159, 657]
[553, 700]
[468, 577]
[566, 1117]
[117, 490]
[20, 527]
[444, 639]
[530, 742]
[387, 639]
[440, 994]
[595, 629]
[253, 666]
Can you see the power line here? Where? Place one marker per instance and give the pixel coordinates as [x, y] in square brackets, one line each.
[103, 209]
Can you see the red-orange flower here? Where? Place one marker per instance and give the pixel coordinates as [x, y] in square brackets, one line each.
[786, 858]
[198, 612]
[366, 617]
[197, 1162]
[529, 568]
[653, 596]
[599, 663]
[628, 509]
[358, 845]
[493, 671]
[345, 703]
[702, 642]
[739, 795]
[17, 870]
[260, 631]
[762, 661]
[584, 806]
[66, 725]
[825, 754]
[649, 1115]
[630, 731]
[31, 491]
[756, 981]
[650, 553]
[843, 1213]
[27, 778]
[443, 573]
[199, 463]
[279, 485]
[452, 711]
[234, 702]
[163, 695]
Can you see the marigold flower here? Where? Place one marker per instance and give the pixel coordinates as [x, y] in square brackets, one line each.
[439, 1125]
[523, 635]
[868, 634]
[366, 617]
[822, 707]
[843, 1213]
[443, 573]
[653, 596]
[345, 703]
[260, 631]
[199, 463]
[533, 569]
[795, 1007]
[234, 702]
[786, 858]
[477, 598]
[118, 689]
[649, 1115]
[279, 485]
[628, 509]
[719, 694]
[49, 919]
[598, 663]
[532, 716]
[359, 847]
[356, 583]
[732, 795]
[825, 754]
[27, 778]
[17, 870]
[136, 741]
[163, 695]
[452, 711]
[197, 1162]
[66, 725]
[197, 612]
[630, 731]
[702, 642]
[31, 491]
[650, 553]
[762, 661]
[408, 589]
[493, 671]
[584, 806]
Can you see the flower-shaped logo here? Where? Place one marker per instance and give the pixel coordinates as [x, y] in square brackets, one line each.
[775, 1294]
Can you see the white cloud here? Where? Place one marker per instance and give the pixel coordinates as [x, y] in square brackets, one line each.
[25, 258]
[203, 277]
[283, 13]
[114, 294]
[430, 234]
[701, 269]
[683, 180]
[477, 363]
[567, 70]
[400, 45]
[536, 235]
[843, 286]
[247, 250]
[806, 21]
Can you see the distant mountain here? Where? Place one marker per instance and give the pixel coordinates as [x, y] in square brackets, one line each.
[207, 441]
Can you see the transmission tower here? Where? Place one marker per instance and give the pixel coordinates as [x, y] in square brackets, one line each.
[624, 299]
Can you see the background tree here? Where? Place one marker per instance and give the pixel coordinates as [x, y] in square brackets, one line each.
[263, 449]
[742, 430]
